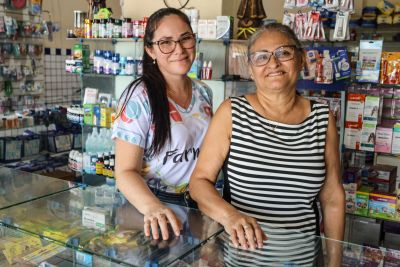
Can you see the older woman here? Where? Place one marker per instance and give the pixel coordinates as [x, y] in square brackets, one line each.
[281, 154]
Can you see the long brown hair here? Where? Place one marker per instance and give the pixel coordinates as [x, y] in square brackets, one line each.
[155, 83]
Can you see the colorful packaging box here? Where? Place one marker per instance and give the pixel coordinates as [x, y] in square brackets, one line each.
[82, 52]
[383, 140]
[362, 199]
[88, 114]
[382, 206]
[368, 137]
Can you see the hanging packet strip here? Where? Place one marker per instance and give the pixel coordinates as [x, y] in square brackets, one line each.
[390, 71]
[300, 25]
[347, 5]
[302, 3]
[341, 31]
[341, 64]
[36, 7]
[317, 3]
[368, 65]
[288, 20]
[289, 4]
[331, 5]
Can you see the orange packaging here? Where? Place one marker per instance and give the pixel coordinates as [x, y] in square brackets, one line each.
[390, 68]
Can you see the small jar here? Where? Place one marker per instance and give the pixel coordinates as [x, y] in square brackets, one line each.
[144, 24]
[141, 29]
[135, 28]
[88, 28]
[127, 28]
[95, 28]
[129, 67]
[110, 28]
[117, 31]
[102, 29]
[115, 69]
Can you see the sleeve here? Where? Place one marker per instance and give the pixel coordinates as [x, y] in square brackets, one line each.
[206, 92]
[134, 123]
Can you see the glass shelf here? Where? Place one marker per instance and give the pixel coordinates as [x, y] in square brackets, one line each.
[18, 187]
[119, 238]
[369, 217]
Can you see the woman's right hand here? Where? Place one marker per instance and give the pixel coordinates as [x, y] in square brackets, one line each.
[244, 231]
[158, 216]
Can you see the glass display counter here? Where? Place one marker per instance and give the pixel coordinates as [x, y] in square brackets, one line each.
[99, 224]
[18, 187]
[286, 248]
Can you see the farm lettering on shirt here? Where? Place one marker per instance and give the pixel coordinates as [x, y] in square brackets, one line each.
[187, 155]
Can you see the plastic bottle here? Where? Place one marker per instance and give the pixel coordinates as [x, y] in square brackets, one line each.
[328, 68]
[115, 66]
[209, 71]
[129, 67]
[99, 163]
[122, 66]
[204, 70]
[106, 163]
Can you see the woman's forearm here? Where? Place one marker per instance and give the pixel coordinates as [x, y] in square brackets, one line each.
[334, 221]
[136, 191]
[210, 202]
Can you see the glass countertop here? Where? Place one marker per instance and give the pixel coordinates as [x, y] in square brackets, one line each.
[287, 248]
[100, 222]
[18, 186]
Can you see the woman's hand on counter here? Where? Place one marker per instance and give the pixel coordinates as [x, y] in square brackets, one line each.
[159, 216]
[244, 231]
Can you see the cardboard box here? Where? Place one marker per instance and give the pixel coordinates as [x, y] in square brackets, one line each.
[382, 206]
[385, 172]
[82, 52]
[362, 200]
[383, 140]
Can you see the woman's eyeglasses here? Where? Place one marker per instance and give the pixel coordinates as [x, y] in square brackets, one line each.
[281, 54]
[168, 46]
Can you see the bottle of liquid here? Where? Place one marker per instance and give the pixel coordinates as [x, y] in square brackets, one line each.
[204, 71]
[112, 164]
[209, 71]
[328, 68]
[99, 164]
[106, 164]
[319, 70]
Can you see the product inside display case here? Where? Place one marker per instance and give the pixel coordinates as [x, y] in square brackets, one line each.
[100, 223]
[18, 186]
[21, 249]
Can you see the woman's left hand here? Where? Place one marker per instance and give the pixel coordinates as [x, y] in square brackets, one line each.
[244, 231]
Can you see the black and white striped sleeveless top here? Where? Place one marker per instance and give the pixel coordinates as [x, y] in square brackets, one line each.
[274, 173]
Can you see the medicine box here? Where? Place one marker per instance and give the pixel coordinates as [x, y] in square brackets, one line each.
[382, 206]
[362, 199]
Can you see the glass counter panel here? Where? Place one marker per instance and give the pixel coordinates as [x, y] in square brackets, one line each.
[18, 186]
[99, 221]
[20, 249]
[287, 248]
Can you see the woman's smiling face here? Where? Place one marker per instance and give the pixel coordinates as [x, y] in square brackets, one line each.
[276, 74]
[179, 61]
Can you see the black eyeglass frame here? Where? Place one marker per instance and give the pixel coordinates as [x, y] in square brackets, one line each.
[193, 35]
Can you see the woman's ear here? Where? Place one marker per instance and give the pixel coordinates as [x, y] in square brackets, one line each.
[150, 52]
[302, 59]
